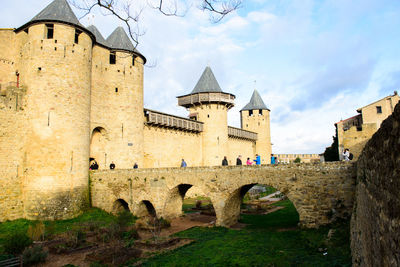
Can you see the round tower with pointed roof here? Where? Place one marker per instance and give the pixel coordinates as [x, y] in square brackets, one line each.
[117, 101]
[209, 104]
[255, 117]
[55, 65]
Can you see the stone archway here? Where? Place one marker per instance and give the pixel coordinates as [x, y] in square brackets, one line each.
[173, 204]
[98, 146]
[119, 206]
[228, 212]
[146, 209]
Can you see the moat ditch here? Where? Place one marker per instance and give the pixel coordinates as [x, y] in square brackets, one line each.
[266, 235]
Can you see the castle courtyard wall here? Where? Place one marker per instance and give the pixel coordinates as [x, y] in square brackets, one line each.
[243, 147]
[165, 147]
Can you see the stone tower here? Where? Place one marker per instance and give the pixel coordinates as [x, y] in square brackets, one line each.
[117, 101]
[54, 62]
[255, 117]
[209, 104]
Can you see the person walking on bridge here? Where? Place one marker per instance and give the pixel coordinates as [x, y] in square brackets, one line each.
[183, 163]
[257, 160]
[224, 161]
[239, 160]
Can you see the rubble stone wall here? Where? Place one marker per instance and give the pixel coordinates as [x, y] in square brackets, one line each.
[375, 224]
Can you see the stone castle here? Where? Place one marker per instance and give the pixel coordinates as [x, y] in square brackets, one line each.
[68, 95]
[354, 132]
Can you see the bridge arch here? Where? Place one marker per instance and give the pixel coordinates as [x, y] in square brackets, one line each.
[145, 208]
[228, 212]
[119, 206]
[174, 200]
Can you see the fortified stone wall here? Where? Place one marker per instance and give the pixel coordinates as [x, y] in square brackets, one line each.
[259, 123]
[215, 132]
[57, 72]
[12, 140]
[117, 109]
[167, 147]
[7, 56]
[320, 192]
[243, 147]
[375, 224]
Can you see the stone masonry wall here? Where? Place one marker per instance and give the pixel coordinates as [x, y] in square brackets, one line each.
[375, 225]
[320, 192]
[13, 123]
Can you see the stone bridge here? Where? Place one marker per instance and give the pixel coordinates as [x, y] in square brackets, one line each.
[320, 192]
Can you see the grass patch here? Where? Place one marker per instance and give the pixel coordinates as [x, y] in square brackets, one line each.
[269, 240]
[189, 203]
[91, 216]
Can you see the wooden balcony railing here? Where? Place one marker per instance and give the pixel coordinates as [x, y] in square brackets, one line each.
[204, 98]
[171, 121]
[240, 133]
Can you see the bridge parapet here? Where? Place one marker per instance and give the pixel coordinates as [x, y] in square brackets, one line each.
[320, 192]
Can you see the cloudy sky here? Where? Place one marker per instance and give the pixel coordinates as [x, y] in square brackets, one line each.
[314, 61]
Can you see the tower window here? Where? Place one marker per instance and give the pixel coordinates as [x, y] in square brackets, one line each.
[260, 111]
[49, 31]
[113, 58]
[133, 60]
[250, 112]
[378, 109]
[116, 89]
[77, 33]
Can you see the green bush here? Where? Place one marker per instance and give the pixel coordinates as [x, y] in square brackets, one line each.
[125, 218]
[16, 243]
[98, 264]
[34, 255]
[297, 160]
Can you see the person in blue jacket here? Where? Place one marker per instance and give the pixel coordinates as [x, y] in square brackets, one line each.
[257, 160]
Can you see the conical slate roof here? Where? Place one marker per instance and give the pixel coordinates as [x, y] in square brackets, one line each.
[207, 83]
[118, 39]
[256, 102]
[58, 10]
[99, 38]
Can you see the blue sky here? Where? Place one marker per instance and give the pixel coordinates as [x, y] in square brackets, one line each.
[314, 62]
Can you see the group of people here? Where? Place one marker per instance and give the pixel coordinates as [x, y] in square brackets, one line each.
[95, 166]
[256, 161]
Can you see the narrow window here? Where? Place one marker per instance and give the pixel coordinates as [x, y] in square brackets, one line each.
[378, 109]
[250, 112]
[116, 89]
[49, 31]
[112, 58]
[133, 60]
[260, 111]
[77, 33]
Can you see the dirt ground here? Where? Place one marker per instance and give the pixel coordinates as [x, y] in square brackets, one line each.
[177, 225]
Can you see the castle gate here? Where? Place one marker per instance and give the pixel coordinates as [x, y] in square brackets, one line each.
[320, 192]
